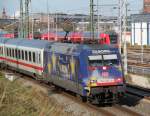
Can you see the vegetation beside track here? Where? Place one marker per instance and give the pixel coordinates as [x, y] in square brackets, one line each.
[18, 100]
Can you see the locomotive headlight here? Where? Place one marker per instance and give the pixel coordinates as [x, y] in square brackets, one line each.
[93, 81]
[119, 80]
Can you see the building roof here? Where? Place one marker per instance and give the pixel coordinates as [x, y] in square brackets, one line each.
[68, 48]
[140, 17]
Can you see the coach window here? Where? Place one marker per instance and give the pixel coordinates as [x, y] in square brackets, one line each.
[2, 50]
[34, 57]
[7, 51]
[26, 56]
[39, 58]
[18, 54]
[22, 55]
[13, 55]
[30, 57]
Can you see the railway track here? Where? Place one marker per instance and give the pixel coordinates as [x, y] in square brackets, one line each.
[139, 64]
[138, 49]
[138, 91]
[104, 110]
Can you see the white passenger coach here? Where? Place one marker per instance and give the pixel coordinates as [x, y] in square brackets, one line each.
[24, 55]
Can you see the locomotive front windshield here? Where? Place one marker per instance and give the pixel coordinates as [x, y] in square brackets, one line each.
[103, 60]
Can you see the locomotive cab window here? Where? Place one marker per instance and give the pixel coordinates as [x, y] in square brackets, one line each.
[95, 60]
[110, 59]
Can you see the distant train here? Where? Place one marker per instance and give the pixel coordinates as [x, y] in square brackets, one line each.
[92, 71]
[75, 37]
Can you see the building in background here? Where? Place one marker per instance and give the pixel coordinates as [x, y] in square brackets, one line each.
[146, 6]
[140, 29]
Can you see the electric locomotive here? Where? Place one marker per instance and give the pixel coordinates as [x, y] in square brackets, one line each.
[92, 71]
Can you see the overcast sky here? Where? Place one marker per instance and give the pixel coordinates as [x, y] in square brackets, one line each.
[68, 6]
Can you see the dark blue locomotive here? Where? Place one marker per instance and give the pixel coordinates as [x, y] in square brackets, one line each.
[92, 71]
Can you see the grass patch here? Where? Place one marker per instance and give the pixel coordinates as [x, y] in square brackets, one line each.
[17, 100]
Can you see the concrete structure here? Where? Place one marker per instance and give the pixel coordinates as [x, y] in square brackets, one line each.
[140, 27]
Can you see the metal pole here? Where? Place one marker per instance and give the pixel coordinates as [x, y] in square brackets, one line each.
[48, 23]
[32, 27]
[26, 18]
[141, 44]
[92, 18]
[98, 19]
[48, 26]
[120, 24]
[21, 32]
[125, 44]
[56, 28]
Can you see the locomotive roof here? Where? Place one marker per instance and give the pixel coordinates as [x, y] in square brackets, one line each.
[29, 43]
[68, 48]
